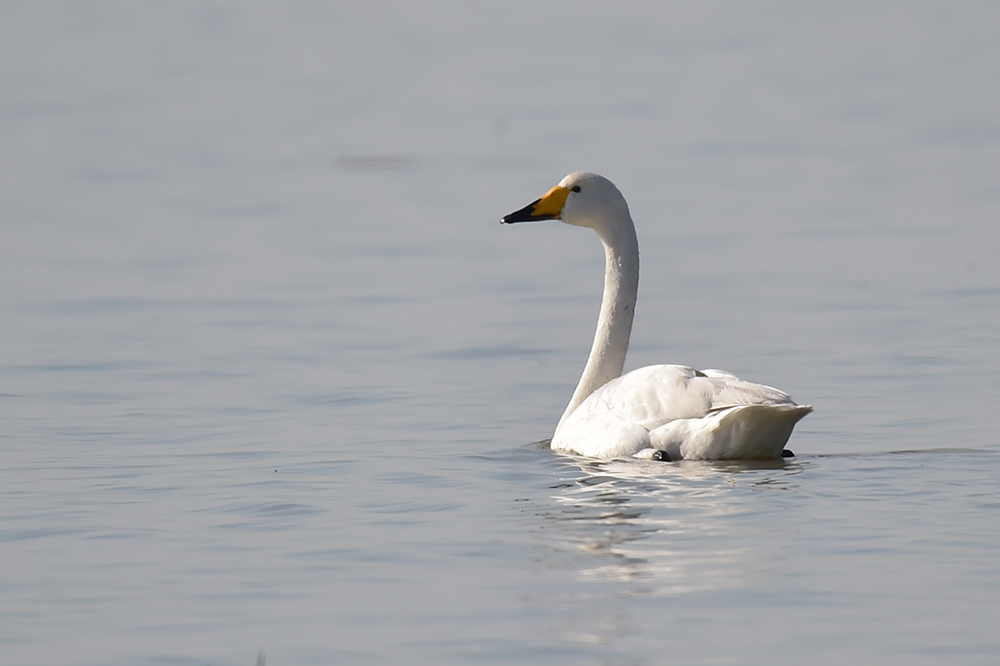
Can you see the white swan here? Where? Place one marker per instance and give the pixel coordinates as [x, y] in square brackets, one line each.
[667, 412]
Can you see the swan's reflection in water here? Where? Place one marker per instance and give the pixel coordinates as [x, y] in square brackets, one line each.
[662, 528]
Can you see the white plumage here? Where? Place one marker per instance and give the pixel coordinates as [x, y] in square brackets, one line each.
[664, 411]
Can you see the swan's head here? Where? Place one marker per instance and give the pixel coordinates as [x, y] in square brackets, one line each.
[581, 199]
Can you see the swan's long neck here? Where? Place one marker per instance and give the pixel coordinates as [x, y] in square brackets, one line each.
[614, 325]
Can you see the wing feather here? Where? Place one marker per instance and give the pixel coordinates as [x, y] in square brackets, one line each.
[658, 394]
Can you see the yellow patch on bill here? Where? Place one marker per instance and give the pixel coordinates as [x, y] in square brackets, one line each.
[552, 203]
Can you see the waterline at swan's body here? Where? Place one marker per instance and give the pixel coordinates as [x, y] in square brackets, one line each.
[666, 411]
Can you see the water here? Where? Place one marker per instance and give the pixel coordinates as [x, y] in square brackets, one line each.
[272, 374]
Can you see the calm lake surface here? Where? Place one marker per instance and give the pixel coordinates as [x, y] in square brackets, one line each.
[273, 379]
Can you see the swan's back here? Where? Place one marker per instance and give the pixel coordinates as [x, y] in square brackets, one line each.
[656, 394]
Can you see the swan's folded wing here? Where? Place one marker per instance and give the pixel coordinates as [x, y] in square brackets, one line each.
[657, 394]
[651, 396]
[730, 390]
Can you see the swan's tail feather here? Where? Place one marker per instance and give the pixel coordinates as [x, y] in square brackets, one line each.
[740, 432]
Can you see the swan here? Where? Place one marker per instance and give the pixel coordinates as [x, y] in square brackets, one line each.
[662, 412]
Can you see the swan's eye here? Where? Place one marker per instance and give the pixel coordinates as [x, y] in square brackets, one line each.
[576, 188]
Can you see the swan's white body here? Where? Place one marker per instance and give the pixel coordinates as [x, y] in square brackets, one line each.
[679, 411]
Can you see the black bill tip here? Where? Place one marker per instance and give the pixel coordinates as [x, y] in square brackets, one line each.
[526, 214]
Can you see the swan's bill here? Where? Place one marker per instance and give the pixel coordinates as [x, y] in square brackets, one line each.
[548, 207]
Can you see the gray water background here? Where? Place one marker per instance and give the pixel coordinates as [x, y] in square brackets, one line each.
[272, 375]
